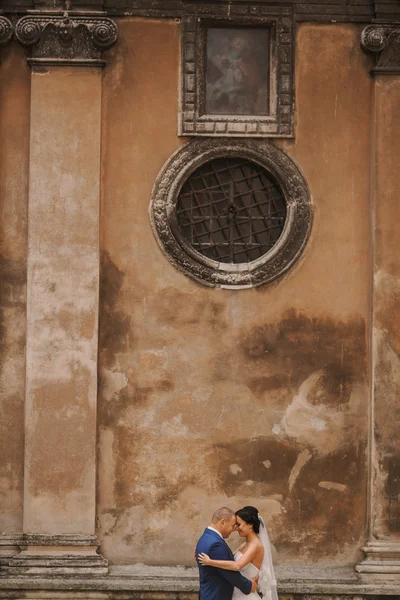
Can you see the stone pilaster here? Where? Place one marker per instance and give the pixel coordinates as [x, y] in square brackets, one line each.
[62, 293]
[382, 552]
[12, 290]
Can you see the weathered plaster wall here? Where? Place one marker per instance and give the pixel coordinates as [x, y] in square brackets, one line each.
[14, 157]
[211, 397]
[387, 309]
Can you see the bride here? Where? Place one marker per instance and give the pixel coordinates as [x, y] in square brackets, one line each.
[253, 558]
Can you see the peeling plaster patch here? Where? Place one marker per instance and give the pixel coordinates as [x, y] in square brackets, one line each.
[40, 71]
[276, 429]
[175, 428]
[302, 459]
[108, 522]
[319, 426]
[331, 485]
[235, 469]
[386, 282]
[112, 382]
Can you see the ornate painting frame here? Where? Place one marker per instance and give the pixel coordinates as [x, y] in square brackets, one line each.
[195, 117]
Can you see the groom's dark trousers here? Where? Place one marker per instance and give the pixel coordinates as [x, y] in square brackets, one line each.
[218, 584]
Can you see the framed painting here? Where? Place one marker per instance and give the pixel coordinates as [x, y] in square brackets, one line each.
[237, 75]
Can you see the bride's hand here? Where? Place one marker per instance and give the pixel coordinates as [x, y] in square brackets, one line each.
[204, 559]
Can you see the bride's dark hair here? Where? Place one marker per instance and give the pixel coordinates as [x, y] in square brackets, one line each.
[249, 514]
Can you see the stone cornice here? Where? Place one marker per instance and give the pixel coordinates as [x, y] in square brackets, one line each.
[384, 42]
[6, 30]
[66, 38]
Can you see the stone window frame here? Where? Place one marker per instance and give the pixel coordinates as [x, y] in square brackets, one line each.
[278, 259]
[280, 123]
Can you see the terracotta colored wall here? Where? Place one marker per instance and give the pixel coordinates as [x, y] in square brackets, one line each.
[211, 397]
[14, 155]
[387, 309]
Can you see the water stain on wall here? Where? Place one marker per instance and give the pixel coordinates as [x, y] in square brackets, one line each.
[309, 464]
[325, 518]
[115, 332]
[267, 461]
[300, 345]
[12, 386]
[178, 308]
[387, 390]
[12, 296]
[391, 466]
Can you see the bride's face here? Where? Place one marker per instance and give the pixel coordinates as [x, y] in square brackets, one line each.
[242, 527]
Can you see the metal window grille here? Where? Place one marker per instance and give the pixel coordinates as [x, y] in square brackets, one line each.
[231, 210]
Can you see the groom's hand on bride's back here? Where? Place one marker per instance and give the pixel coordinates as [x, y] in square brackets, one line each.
[254, 583]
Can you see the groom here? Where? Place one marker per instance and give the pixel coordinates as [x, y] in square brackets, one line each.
[218, 584]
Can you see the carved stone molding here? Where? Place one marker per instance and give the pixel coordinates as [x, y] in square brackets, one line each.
[211, 273]
[384, 42]
[68, 555]
[6, 30]
[66, 39]
[381, 557]
[199, 118]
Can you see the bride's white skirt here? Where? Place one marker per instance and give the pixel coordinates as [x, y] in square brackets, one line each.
[238, 595]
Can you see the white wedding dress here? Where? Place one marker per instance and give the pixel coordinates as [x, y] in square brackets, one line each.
[248, 571]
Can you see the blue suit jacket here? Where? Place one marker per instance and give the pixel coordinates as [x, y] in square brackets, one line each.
[218, 584]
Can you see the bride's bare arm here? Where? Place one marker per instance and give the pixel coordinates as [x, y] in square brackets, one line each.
[230, 565]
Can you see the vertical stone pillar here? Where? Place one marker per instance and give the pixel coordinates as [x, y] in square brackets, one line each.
[62, 293]
[12, 292]
[382, 552]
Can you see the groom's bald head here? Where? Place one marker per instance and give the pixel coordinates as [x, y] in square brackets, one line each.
[224, 521]
[222, 513]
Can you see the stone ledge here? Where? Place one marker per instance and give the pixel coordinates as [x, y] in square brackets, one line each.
[141, 582]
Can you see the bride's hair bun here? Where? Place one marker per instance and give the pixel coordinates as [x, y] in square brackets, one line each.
[249, 514]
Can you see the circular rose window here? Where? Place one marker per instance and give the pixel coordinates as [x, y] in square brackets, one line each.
[231, 210]
[231, 215]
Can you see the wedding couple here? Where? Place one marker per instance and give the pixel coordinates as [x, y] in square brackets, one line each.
[224, 576]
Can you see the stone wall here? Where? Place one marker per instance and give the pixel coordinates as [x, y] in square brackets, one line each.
[134, 400]
[211, 397]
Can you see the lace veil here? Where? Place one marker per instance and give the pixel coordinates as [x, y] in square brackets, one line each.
[266, 578]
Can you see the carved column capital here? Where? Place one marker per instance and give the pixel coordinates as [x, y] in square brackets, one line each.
[384, 42]
[66, 39]
[6, 30]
